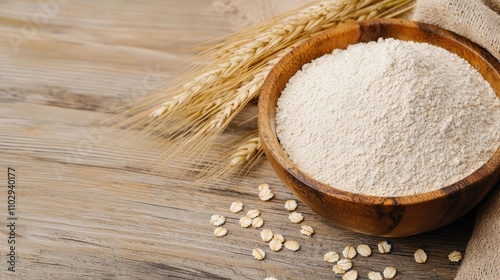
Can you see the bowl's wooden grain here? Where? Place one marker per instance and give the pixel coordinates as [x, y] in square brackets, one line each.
[382, 216]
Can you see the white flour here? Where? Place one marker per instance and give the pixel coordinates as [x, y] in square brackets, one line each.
[389, 118]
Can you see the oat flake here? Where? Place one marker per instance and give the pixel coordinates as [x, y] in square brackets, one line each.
[253, 213]
[217, 220]
[263, 187]
[279, 237]
[350, 275]
[296, 217]
[220, 231]
[384, 247]
[307, 231]
[338, 270]
[245, 222]
[331, 257]
[292, 245]
[455, 256]
[389, 272]
[266, 235]
[344, 264]
[236, 207]
[258, 254]
[420, 256]
[364, 250]
[266, 195]
[291, 205]
[349, 252]
[275, 245]
[374, 276]
[257, 222]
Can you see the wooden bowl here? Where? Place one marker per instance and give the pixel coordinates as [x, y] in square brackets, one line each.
[373, 215]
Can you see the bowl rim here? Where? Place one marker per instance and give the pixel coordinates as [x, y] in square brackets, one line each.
[280, 156]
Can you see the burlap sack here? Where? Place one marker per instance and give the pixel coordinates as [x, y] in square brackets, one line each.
[482, 259]
[474, 19]
[477, 20]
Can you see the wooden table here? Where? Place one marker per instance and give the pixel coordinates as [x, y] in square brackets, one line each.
[92, 204]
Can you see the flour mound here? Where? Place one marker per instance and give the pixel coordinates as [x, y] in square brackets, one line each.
[388, 118]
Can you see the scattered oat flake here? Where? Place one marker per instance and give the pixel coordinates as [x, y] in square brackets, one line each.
[338, 270]
[374, 275]
[257, 222]
[258, 254]
[275, 245]
[307, 231]
[220, 231]
[292, 245]
[384, 247]
[266, 235]
[263, 187]
[253, 213]
[296, 217]
[389, 272]
[279, 237]
[364, 250]
[455, 256]
[217, 220]
[331, 257]
[266, 195]
[245, 222]
[271, 278]
[344, 264]
[350, 275]
[236, 207]
[420, 256]
[349, 252]
[291, 205]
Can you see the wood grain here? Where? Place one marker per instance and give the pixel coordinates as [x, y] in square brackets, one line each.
[380, 216]
[92, 205]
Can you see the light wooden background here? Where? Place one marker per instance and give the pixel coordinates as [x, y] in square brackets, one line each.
[89, 205]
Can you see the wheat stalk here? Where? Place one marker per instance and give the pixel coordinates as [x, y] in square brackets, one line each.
[191, 116]
[242, 55]
[217, 115]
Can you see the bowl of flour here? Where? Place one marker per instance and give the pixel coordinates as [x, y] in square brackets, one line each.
[385, 127]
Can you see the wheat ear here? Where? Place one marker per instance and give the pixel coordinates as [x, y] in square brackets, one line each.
[212, 95]
[218, 114]
[244, 54]
[246, 93]
[245, 151]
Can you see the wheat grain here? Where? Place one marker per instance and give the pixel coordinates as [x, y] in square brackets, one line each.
[245, 151]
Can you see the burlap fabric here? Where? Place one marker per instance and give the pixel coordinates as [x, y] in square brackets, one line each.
[474, 19]
[477, 20]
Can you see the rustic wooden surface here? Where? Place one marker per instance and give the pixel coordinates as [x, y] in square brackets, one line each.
[89, 205]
